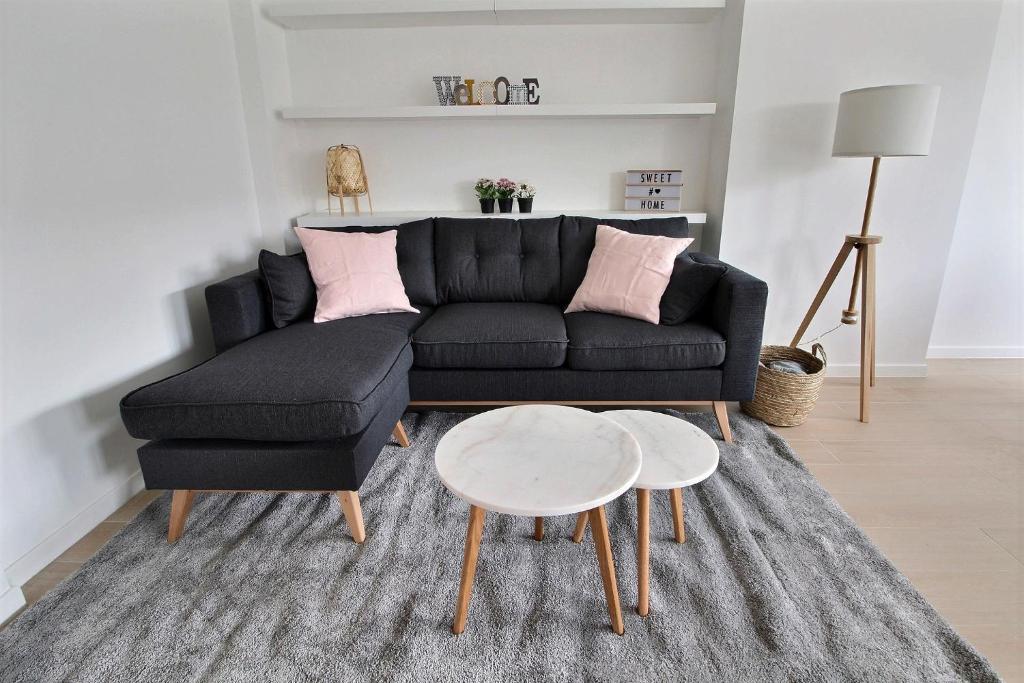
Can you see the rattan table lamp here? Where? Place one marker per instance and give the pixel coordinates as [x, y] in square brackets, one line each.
[884, 121]
[346, 176]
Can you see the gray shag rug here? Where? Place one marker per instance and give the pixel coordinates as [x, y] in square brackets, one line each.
[774, 583]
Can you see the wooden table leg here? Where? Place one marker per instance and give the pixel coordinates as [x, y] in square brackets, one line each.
[603, 545]
[473, 534]
[581, 527]
[679, 524]
[643, 535]
[538, 529]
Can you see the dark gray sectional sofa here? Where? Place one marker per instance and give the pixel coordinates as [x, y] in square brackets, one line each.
[308, 407]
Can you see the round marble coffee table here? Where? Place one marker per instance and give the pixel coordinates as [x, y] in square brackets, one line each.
[675, 454]
[538, 461]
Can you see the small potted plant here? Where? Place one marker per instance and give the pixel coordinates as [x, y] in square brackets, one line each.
[506, 190]
[486, 193]
[525, 194]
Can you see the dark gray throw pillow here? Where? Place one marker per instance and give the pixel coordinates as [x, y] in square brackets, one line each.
[291, 288]
[688, 289]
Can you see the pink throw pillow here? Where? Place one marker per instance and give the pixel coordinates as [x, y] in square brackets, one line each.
[627, 274]
[355, 273]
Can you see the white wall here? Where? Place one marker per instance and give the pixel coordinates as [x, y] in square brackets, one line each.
[721, 125]
[127, 188]
[262, 58]
[11, 597]
[788, 203]
[981, 309]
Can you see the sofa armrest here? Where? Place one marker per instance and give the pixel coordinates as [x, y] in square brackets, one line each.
[238, 309]
[737, 312]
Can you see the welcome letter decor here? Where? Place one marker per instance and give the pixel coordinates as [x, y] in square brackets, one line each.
[451, 91]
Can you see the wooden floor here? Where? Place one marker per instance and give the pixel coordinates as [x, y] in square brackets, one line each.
[936, 479]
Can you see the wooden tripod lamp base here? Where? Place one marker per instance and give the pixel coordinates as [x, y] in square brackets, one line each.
[864, 283]
[864, 272]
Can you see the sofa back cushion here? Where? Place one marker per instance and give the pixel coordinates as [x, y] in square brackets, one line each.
[689, 289]
[290, 286]
[576, 242]
[355, 273]
[497, 260]
[415, 256]
[627, 274]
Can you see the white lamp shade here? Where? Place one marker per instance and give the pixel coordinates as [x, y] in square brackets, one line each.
[886, 121]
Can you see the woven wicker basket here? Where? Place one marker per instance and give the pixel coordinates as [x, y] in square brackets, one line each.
[785, 399]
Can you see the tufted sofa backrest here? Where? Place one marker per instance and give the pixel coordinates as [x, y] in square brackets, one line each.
[537, 260]
[497, 260]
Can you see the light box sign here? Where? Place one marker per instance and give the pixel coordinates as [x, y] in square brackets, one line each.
[654, 190]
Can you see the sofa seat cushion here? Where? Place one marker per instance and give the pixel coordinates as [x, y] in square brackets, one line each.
[491, 335]
[305, 382]
[600, 341]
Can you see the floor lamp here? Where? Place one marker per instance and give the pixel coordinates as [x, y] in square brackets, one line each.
[886, 121]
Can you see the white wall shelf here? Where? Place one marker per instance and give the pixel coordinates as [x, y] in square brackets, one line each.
[322, 219]
[335, 14]
[564, 111]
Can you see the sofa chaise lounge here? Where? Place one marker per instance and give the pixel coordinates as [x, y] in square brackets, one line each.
[308, 407]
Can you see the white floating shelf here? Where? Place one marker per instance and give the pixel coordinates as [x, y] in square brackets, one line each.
[555, 111]
[328, 14]
[322, 219]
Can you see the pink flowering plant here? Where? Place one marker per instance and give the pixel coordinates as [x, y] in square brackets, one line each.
[506, 189]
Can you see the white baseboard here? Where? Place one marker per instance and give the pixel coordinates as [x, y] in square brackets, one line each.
[881, 370]
[11, 600]
[50, 548]
[976, 351]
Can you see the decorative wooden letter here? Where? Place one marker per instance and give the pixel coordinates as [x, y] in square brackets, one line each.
[501, 97]
[483, 92]
[446, 95]
[532, 85]
[517, 94]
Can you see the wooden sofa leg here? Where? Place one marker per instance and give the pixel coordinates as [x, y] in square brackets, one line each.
[723, 420]
[181, 503]
[353, 514]
[400, 436]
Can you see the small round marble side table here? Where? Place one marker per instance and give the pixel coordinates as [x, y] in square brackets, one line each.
[675, 454]
[538, 461]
